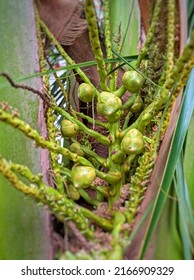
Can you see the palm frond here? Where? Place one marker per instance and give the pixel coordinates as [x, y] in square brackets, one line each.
[186, 218]
[176, 147]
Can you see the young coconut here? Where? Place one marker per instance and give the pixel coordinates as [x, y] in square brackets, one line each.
[68, 128]
[132, 81]
[108, 104]
[76, 148]
[86, 92]
[82, 176]
[133, 142]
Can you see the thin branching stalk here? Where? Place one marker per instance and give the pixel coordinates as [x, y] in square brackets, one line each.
[102, 139]
[150, 34]
[180, 64]
[47, 196]
[50, 118]
[108, 43]
[63, 53]
[91, 120]
[27, 173]
[170, 37]
[39, 140]
[95, 42]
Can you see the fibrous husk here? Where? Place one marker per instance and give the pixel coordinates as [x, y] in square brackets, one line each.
[63, 18]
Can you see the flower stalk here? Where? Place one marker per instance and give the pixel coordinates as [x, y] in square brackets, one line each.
[95, 42]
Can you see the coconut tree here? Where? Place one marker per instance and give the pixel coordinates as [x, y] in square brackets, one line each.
[113, 124]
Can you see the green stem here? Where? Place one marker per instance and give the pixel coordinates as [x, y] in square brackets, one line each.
[95, 42]
[112, 178]
[102, 139]
[180, 64]
[60, 205]
[87, 198]
[176, 75]
[104, 223]
[119, 92]
[150, 34]
[51, 129]
[108, 43]
[92, 154]
[5, 169]
[184, 76]
[62, 52]
[65, 94]
[91, 120]
[127, 118]
[26, 172]
[104, 191]
[130, 101]
[40, 141]
[170, 37]
[127, 162]
[117, 242]
[119, 221]
[65, 171]
[115, 167]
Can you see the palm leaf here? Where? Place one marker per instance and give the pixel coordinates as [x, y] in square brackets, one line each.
[176, 147]
[186, 218]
